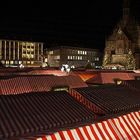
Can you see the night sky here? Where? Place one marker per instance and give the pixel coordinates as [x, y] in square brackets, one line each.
[82, 23]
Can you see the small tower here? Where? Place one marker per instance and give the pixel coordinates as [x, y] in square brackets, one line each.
[126, 10]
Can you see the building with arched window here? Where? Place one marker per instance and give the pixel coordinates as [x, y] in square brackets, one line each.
[123, 45]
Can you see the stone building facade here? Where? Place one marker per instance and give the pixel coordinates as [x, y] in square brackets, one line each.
[123, 46]
[15, 52]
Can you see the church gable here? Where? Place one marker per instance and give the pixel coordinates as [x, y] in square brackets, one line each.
[121, 46]
[120, 35]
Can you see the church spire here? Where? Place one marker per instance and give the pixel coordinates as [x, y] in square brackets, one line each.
[126, 10]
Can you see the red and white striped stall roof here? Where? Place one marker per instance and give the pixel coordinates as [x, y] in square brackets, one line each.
[125, 127]
[38, 83]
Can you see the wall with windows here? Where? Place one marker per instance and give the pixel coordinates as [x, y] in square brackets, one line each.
[13, 52]
[72, 56]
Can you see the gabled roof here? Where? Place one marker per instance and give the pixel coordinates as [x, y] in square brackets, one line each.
[108, 77]
[34, 114]
[85, 75]
[132, 84]
[119, 33]
[110, 99]
[122, 127]
[36, 83]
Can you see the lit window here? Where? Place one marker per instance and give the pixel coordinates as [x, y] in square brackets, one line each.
[3, 62]
[96, 58]
[11, 62]
[32, 62]
[28, 62]
[119, 82]
[78, 52]
[32, 44]
[85, 52]
[51, 52]
[57, 57]
[32, 56]
[7, 62]
[71, 57]
[78, 57]
[68, 57]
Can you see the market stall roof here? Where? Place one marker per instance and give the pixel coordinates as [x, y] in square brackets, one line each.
[109, 77]
[123, 127]
[18, 84]
[111, 99]
[34, 114]
[132, 84]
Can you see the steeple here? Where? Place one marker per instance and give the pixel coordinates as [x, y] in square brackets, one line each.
[126, 10]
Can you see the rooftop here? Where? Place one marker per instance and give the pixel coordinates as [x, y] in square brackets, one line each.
[111, 99]
[35, 114]
[18, 84]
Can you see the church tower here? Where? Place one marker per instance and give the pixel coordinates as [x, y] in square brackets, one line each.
[122, 49]
[126, 11]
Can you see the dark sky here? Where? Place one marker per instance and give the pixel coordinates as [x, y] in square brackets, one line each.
[86, 23]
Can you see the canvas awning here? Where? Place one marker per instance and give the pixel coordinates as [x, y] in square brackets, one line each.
[123, 127]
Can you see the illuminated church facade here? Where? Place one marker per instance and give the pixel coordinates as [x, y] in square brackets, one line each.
[122, 48]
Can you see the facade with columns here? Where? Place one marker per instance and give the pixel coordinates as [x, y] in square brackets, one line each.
[123, 45]
[15, 52]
